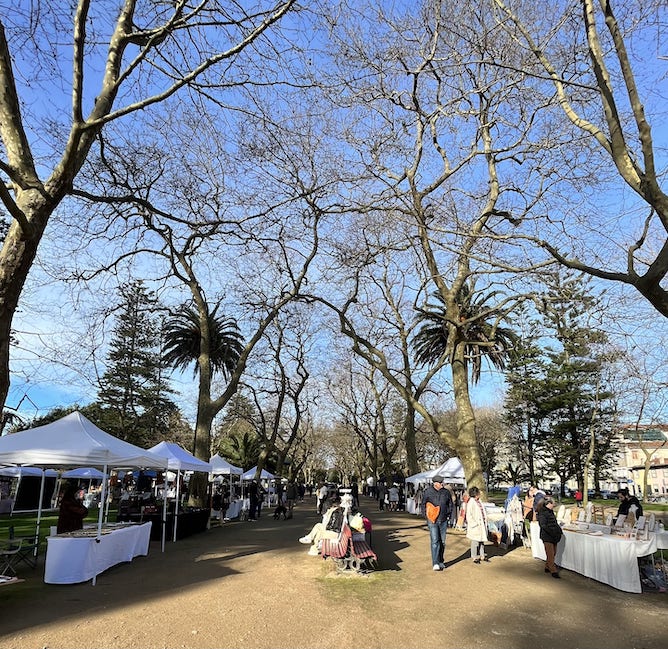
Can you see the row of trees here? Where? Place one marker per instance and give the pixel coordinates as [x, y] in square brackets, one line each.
[429, 160]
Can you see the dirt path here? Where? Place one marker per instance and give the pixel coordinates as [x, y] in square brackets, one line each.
[252, 585]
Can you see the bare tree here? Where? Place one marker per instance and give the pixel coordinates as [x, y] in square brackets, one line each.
[583, 65]
[371, 431]
[151, 51]
[441, 131]
[643, 394]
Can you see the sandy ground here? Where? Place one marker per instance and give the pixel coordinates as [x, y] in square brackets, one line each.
[252, 585]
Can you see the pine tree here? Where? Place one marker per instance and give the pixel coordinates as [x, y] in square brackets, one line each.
[133, 397]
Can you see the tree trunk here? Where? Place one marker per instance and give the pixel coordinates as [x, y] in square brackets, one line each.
[199, 482]
[409, 441]
[16, 258]
[466, 444]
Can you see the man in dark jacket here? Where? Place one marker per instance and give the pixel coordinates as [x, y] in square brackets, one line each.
[625, 503]
[438, 508]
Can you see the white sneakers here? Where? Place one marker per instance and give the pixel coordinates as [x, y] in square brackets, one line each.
[306, 540]
[313, 551]
[436, 567]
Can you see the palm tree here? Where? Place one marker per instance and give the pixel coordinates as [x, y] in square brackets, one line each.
[215, 344]
[481, 339]
[183, 341]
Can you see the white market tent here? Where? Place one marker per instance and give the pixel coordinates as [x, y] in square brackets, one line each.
[451, 469]
[86, 473]
[264, 474]
[74, 441]
[423, 476]
[25, 471]
[220, 466]
[179, 460]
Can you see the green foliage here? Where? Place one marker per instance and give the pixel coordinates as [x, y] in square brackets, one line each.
[241, 449]
[476, 329]
[557, 395]
[183, 341]
[133, 400]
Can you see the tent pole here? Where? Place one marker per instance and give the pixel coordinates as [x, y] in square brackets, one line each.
[104, 503]
[164, 512]
[16, 495]
[102, 499]
[176, 504]
[100, 513]
[39, 512]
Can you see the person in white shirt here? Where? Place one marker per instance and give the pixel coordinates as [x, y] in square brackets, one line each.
[322, 497]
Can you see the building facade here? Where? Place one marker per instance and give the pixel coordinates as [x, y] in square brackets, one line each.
[643, 450]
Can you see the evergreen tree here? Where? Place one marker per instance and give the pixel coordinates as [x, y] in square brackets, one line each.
[524, 378]
[133, 399]
[557, 399]
[236, 438]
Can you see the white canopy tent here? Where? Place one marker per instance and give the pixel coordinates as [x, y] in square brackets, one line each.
[220, 466]
[74, 441]
[423, 476]
[86, 473]
[179, 460]
[29, 471]
[264, 474]
[451, 469]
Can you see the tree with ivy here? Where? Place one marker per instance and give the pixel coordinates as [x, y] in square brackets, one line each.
[134, 401]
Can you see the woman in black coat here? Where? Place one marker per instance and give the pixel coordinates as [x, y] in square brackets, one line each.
[72, 511]
[550, 533]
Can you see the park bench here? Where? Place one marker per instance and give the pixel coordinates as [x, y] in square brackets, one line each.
[348, 554]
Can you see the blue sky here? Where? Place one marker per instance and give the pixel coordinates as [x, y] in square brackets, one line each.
[57, 361]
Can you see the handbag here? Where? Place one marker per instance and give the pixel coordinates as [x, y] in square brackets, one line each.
[432, 512]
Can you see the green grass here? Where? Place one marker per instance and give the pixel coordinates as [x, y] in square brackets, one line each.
[24, 523]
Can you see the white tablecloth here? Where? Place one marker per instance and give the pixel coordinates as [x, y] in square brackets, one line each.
[235, 508]
[71, 560]
[610, 559]
[662, 540]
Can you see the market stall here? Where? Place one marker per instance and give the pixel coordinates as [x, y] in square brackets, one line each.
[80, 556]
[598, 554]
[180, 460]
[220, 468]
[453, 471]
[74, 441]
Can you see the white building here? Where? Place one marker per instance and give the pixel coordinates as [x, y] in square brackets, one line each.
[637, 446]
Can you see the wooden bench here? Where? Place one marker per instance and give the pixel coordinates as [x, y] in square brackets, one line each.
[348, 554]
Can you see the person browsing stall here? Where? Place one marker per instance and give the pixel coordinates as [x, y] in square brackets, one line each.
[550, 533]
[438, 509]
[72, 511]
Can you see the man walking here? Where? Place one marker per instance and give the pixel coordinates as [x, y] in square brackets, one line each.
[437, 505]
